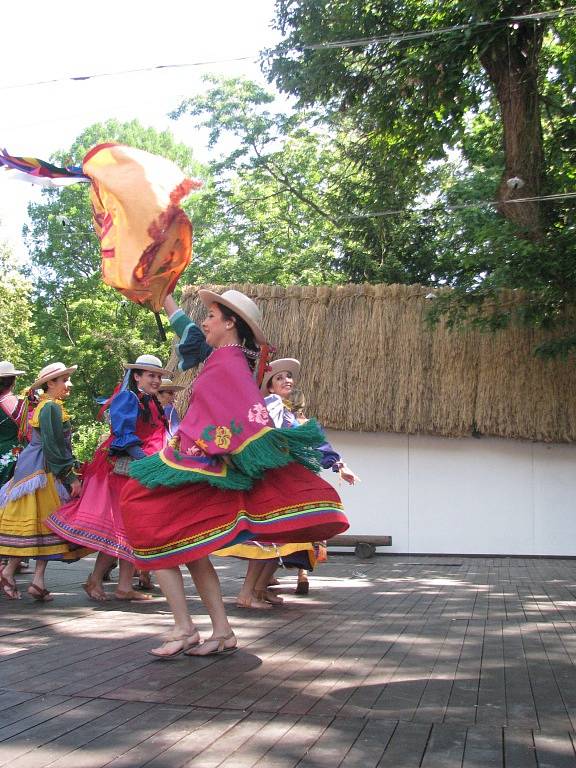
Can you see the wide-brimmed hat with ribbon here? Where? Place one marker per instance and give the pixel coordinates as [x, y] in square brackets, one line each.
[53, 371]
[148, 363]
[168, 384]
[241, 305]
[282, 364]
[7, 369]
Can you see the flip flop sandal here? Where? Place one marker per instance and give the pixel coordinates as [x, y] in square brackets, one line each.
[8, 586]
[218, 650]
[40, 595]
[131, 596]
[186, 642]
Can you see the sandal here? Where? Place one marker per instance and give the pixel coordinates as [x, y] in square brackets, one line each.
[130, 596]
[253, 602]
[40, 595]
[144, 581]
[94, 592]
[219, 648]
[269, 597]
[302, 588]
[185, 642]
[8, 586]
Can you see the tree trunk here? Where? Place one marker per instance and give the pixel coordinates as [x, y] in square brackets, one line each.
[511, 62]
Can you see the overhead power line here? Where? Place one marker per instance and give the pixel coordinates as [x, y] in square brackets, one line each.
[459, 206]
[121, 72]
[391, 38]
[396, 37]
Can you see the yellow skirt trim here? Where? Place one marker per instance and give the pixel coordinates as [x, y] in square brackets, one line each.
[262, 551]
[22, 529]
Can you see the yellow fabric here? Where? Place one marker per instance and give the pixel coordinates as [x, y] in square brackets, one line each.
[146, 238]
[24, 519]
[35, 420]
[264, 551]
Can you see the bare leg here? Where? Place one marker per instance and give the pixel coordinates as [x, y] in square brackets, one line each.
[184, 635]
[124, 590]
[93, 586]
[208, 586]
[247, 595]
[261, 586]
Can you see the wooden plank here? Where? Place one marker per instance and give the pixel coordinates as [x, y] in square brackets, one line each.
[519, 749]
[406, 747]
[197, 741]
[484, 747]
[445, 747]
[294, 744]
[351, 539]
[261, 743]
[554, 750]
[116, 741]
[333, 745]
[370, 745]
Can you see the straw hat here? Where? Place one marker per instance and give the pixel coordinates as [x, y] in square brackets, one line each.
[282, 364]
[148, 363]
[241, 305]
[52, 371]
[167, 384]
[7, 369]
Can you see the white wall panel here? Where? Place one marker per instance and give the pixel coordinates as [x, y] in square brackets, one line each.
[465, 496]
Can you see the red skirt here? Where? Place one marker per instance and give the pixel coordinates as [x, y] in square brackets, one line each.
[169, 526]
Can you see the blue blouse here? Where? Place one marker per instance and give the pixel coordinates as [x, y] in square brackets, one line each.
[124, 410]
[283, 417]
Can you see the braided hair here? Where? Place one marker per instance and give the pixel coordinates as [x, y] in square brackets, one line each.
[147, 414]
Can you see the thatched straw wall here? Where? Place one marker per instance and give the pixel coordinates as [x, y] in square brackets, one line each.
[370, 363]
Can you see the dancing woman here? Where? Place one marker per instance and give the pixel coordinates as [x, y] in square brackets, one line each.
[228, 475]
[11, 408]
[137, 429]
[45, 476]
[277, 388]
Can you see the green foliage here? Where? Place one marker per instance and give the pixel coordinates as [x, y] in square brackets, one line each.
[15, 311]
[431, 115]
[87, 437]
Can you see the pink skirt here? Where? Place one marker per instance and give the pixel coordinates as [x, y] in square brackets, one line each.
[93, 519]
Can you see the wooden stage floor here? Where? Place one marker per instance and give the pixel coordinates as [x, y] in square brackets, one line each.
[397, 661]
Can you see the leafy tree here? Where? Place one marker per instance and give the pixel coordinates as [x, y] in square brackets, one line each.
[279, 207]
[416, 92]
[497, 90]
[16, 335]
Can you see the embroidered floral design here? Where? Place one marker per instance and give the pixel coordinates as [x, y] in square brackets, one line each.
[195, 449]
[258, 413]
[222, 437]
[7, 458]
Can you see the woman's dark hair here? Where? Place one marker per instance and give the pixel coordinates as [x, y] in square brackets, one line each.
[133, 387]
[245, 334]
[6, 384]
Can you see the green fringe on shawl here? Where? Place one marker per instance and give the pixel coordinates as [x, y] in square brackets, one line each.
[276, 448]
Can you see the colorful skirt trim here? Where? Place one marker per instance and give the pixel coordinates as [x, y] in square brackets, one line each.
[23, 530]
[170, 526]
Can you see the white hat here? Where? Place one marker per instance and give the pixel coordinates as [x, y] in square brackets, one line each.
[282, 364]
[241, 305]
[7, 369]
[52, 371]
[168, 384]
[148, 363]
